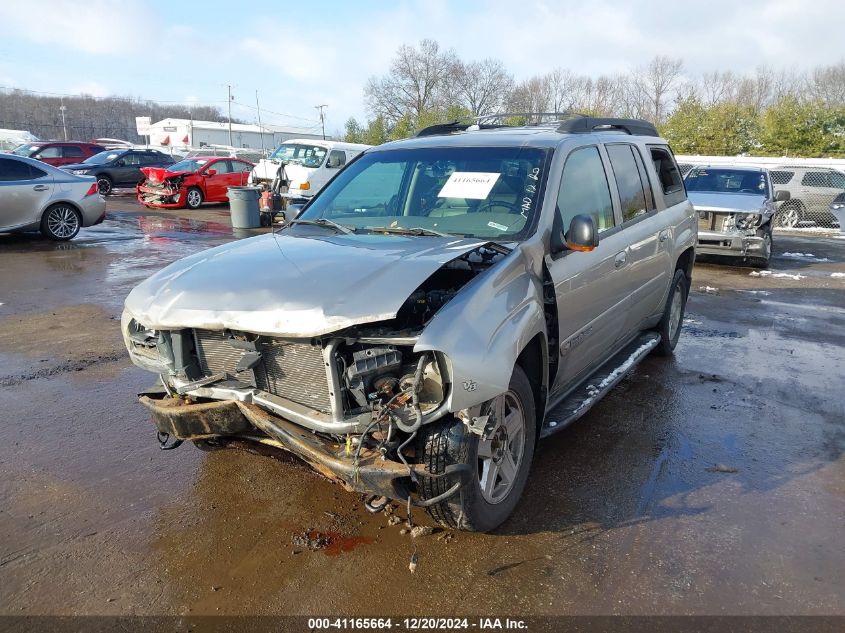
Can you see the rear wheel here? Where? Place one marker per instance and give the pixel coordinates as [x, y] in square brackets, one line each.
[499, 462]
[60, 223]
[193, 198]
[673, 315]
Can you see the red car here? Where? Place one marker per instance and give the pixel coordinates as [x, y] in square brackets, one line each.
[58, 153]
[191, 182]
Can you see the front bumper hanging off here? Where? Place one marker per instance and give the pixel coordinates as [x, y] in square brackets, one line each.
[729, 243]
[372, 473]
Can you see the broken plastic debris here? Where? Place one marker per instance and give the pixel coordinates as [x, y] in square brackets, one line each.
[422, 530]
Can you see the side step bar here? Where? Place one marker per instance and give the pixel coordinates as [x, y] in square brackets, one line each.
[596, 386]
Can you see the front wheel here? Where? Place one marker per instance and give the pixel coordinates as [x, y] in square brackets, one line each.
[60, 223]
[766, 254]
[104, 184]
[499, 461]
[673, 315]
[194, 198]
[789, 215]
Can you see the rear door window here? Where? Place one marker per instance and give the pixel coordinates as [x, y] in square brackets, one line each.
[13, 170]
[584, 190]
[780, 177]
[71, 151]
[634, 194]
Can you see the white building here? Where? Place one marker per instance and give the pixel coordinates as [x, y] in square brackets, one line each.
[183, 134]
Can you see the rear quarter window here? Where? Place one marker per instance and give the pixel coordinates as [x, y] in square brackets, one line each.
[669, 175]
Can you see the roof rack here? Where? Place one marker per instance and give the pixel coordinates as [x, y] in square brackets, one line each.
[587, 125]
[533, 118]
[443, 128]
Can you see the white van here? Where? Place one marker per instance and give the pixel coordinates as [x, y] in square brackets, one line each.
[310, 164]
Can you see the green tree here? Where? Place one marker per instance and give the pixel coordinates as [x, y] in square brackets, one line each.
[354, 132]
[793, 127]
[724, 129]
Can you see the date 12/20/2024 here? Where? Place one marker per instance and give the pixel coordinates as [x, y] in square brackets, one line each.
[417, 624]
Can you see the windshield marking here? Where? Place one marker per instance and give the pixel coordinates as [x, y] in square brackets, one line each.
[474, 185]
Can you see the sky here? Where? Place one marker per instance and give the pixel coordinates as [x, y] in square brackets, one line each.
[299, 55]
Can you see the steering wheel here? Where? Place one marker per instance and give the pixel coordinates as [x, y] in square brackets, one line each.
[512, 207]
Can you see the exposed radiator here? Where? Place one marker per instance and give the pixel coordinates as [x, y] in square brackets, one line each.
[295, 371]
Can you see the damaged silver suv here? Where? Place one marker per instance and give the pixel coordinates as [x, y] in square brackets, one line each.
[443, 303]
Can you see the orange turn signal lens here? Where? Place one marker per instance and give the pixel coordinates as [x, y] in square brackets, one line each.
[579, 247]
[305, 186]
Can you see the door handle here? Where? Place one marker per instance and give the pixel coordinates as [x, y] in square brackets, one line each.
[663, 235]
[620, 260]
[40, 188]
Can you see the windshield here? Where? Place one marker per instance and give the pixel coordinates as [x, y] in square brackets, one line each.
[26, 150]
[485, 192]
[305, 155]
[191, 164]
[727, 181]
[101, 158]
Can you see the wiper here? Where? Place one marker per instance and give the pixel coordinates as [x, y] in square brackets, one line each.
[401, 230]
[340, 228]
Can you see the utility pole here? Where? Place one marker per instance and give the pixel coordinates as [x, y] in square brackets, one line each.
[230, 115]
[62, 110]
[260, 129]
[322, 118]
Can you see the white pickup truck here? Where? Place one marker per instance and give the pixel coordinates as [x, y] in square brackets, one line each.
[309, 164]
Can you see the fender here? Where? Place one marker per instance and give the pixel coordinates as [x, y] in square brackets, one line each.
[483, 330]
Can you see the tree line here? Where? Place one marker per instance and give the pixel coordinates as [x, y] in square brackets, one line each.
[768, 112]
[88, 117]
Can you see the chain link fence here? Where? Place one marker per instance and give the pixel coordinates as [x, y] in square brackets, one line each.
[816, 187]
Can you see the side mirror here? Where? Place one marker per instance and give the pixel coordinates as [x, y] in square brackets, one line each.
[211, 172]
[782, 196]
[583, 235]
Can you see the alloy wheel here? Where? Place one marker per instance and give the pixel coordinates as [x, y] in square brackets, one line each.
[63, 222]
[675, 312]
[104, 186]
[194, 198]
[501, 450]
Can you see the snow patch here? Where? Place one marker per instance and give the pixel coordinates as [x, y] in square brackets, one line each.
[834, 275]
[769, 273]
[708, 290]
[593, 390]
[805, 256]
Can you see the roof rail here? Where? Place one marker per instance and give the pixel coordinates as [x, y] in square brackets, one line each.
[443, 128]
[586, 125]
[533, 118]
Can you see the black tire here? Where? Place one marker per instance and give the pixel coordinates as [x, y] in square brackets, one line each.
[450, 442]
[194, 198]
[105, 184]
[208, 446]
[60, 222]
[789, 215]
[670, 325]
[764, 261]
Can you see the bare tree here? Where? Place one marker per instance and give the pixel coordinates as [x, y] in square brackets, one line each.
[532, 95]
[418, 81]
[481, 87]
[827, 84]
[718, 87]
[655, 84]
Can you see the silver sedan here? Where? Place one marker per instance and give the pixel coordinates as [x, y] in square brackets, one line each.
[35, 196]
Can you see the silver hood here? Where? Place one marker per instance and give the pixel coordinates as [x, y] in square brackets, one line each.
[727, 202]
[292, 285]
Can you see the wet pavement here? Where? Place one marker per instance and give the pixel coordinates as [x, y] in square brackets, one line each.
[711, 483]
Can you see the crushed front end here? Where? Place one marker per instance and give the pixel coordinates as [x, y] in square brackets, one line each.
[348, 403]
[733, 233]
[168, 193]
